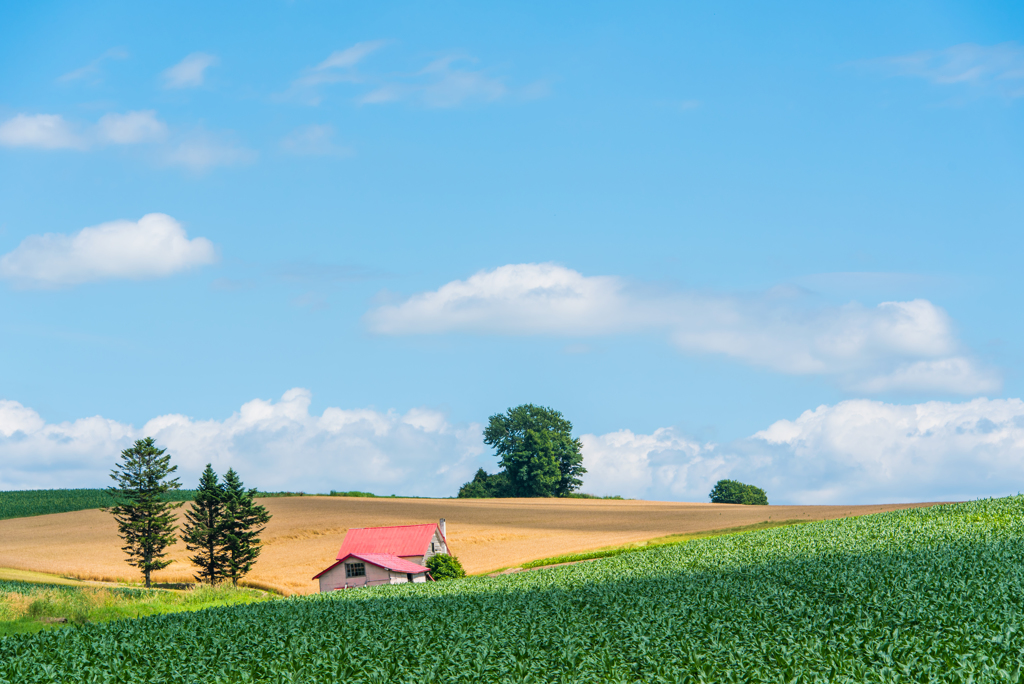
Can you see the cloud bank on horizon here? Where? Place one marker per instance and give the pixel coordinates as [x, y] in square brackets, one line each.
[892, 347]
[857, 451]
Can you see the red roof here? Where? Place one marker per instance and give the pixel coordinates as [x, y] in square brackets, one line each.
[404, 540]
[381, 560]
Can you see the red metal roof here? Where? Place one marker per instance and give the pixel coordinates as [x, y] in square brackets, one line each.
[381, 560]
[404, 540]
[389, 562]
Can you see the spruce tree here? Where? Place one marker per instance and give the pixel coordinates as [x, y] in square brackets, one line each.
[244, 520]
[203, 531]
[145, 519]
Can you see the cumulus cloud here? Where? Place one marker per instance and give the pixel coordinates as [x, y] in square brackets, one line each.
[273, 445]
[854, 452]
[189, 72]
[894, 346]
[43, 131]
[857, 451]
[991, 68]
[154, 246]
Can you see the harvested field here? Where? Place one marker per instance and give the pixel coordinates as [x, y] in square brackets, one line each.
[306, 532]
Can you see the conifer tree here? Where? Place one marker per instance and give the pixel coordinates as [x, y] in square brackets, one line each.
[145, 519]
[203, 531]
[244, 520]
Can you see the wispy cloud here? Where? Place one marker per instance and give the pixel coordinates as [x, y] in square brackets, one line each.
[197, 151]
[313, 140]
[452, 80]
[91, 71]
[131, 128]
[189, 72]
[444, 83]
[338, 67]
[997, 69]
[53, 132]
[154, 246]
[894, 346]
[201, 151]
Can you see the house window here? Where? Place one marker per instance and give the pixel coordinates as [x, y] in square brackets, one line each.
[409, 576]
[431, 547]
[355, 570]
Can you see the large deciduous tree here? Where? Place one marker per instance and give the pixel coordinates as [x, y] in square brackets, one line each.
[537, 451]
[244, 520]
[203, 531]
[731, 491]
[145, 519]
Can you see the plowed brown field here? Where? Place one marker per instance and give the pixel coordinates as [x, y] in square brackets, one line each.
[305, 533]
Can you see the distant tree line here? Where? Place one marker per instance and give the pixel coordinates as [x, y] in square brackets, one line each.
[221, 528]
[537, 454]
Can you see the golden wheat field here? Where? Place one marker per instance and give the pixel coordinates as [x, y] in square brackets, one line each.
[305, 533]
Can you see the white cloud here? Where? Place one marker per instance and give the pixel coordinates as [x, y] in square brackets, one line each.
[131, 128]
[189, 72]
[857, 451]
[894, 346]
[995, 68]
[313, 140]
[871, 451]
[516, 299]
[44, 131]
[51, 131]
[349, 57]
[154, 246]
[663, 465]
[92, 69]
[339, 67]
[441, 84]
[201, 152]
[273, 446]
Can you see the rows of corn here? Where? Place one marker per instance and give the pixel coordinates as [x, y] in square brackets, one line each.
[922, 595]
[29, 502]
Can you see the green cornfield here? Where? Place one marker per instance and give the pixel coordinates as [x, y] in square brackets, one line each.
[922, 595]
[28, 502]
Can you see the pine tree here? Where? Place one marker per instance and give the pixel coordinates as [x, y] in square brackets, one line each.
[203, 531]
[244, 520]
[145, 519]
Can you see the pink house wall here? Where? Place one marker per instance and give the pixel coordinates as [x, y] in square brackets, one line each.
[375, 575]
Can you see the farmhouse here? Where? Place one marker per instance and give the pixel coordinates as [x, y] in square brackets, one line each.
[384, 555]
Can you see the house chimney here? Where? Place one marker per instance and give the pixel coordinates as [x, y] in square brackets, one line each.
[441, 525]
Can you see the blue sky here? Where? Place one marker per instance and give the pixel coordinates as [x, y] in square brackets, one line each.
[678, 224]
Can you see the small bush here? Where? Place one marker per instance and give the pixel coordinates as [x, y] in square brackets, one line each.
[444, 567]
[733, 492]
